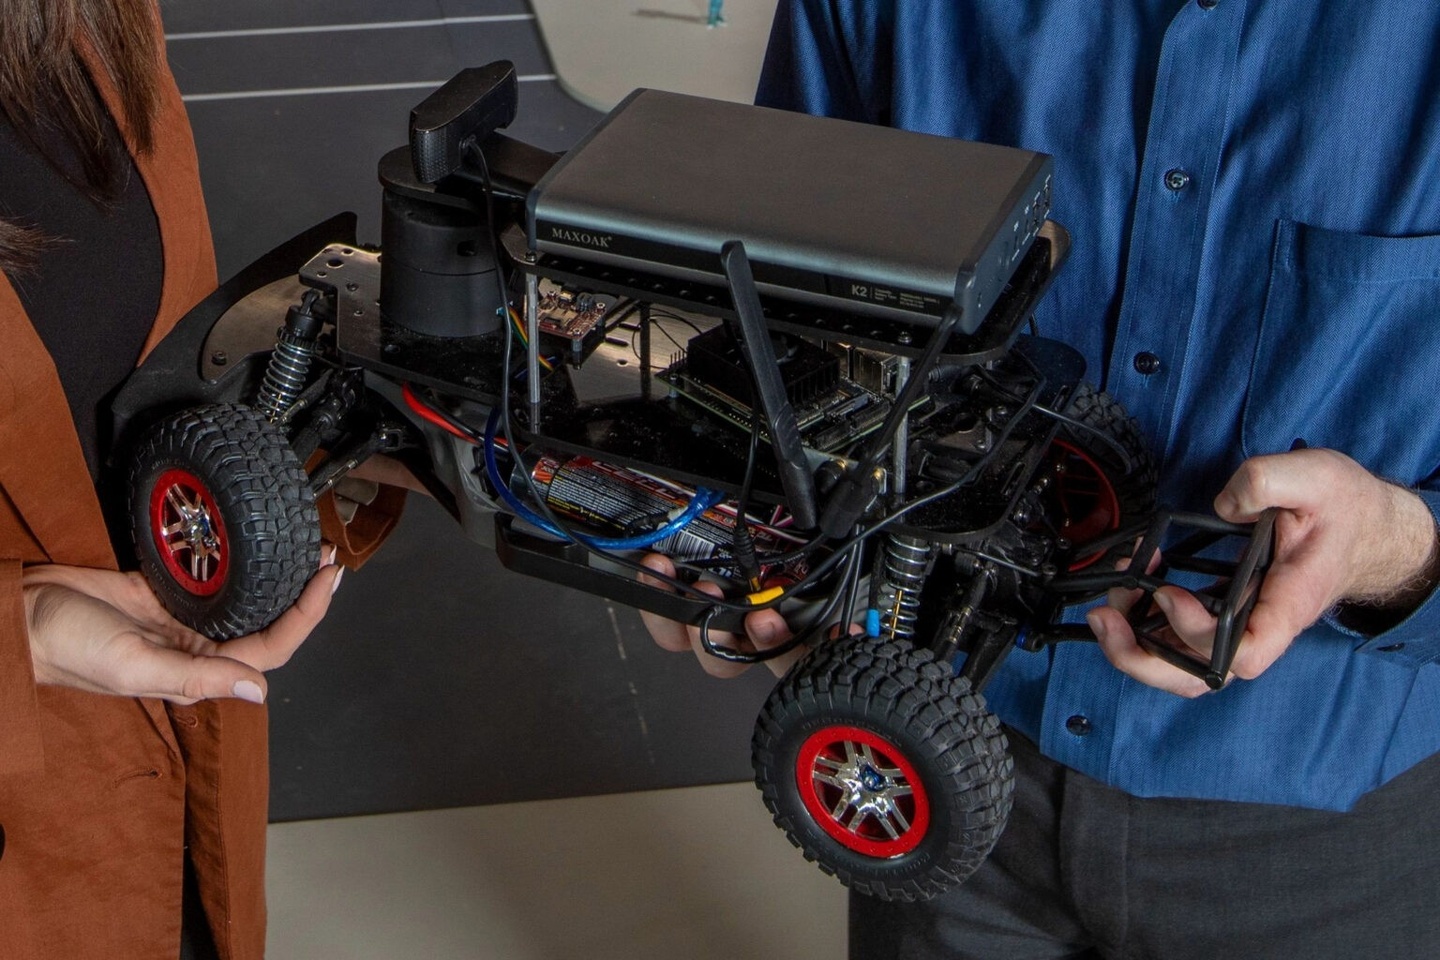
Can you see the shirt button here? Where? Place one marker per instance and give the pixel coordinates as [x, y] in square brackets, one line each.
[1146, 363]
[1079, 725]
[1207, 4]
[1177, 179]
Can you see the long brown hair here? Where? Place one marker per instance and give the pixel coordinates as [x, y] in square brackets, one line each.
[42, 74]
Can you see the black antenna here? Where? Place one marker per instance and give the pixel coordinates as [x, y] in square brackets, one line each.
[795, 477]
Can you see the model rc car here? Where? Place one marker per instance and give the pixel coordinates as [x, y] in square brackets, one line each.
[794, 354]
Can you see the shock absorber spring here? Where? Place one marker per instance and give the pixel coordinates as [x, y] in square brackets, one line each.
[289, 366]
[904, 562]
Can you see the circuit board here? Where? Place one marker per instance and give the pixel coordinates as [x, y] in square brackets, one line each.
[569, 314]
[827, 423]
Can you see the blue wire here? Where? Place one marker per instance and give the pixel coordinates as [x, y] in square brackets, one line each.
[703, 500]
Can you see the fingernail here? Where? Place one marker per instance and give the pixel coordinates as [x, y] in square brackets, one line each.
[1164, 602]
[331, 558]
[1097, 625]
[761, 634]
[335, 584]
[248, 690]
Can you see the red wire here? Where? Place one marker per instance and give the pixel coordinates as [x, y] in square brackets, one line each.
[430, 416]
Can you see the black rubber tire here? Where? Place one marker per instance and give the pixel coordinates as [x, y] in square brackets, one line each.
[1133, 489]
[229, 461]
[868, 687]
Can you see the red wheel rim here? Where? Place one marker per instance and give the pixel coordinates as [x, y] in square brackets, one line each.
[1086, 501]
[188, 532]
[862, 791]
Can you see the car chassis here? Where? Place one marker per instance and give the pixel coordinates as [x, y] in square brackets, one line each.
[985, 489]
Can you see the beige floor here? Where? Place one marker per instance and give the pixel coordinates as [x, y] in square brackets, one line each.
[694, 874]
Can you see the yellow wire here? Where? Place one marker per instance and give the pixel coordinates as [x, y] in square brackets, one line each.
[520, 332]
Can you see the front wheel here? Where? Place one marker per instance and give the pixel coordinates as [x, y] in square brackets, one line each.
[884, 768]
[223, 519]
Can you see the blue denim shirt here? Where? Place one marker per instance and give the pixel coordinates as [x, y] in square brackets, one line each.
[1253, 190]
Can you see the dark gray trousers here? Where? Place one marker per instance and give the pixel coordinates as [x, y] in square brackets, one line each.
[1084, 871]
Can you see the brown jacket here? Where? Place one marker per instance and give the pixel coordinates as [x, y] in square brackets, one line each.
[98, 794]
[94, 789]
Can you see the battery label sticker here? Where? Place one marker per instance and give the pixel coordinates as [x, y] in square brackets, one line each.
[627, 503]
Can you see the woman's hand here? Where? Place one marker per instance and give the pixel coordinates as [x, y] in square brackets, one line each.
[105, 632]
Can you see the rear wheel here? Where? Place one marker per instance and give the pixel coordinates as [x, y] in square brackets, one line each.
[223, 519]
[1103, 477]
[883, 767]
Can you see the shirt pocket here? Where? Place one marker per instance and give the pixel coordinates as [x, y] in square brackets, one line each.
[1348, 355]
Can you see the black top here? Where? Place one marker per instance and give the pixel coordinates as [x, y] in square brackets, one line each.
[94, 294]
[864, 218]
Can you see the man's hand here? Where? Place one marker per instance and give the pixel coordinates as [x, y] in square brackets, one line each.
[106, 632]
[1341, 534]
[763, 629]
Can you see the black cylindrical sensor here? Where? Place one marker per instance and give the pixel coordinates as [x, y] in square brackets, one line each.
[437, 269]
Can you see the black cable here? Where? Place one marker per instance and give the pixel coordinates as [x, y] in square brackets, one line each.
[841, 551]
[852, 588]
[846, 547]
[474, 152]
[764, 559]
[846, 551]
[636, 350]
[1070, 421]
[910, 391]
[742, 545]
[676, 317]
[802, 636]
[1125, 460]
[849, 552]
[473, 149]
[505, 420]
